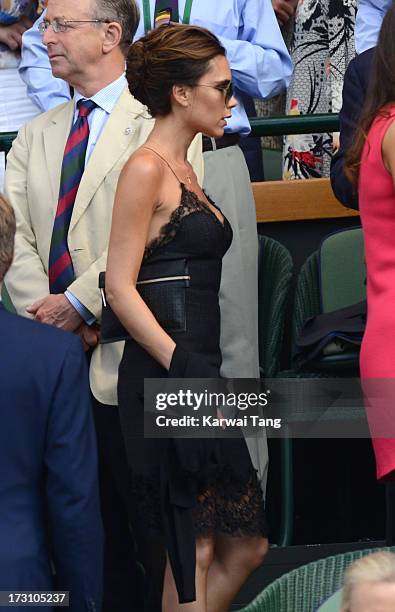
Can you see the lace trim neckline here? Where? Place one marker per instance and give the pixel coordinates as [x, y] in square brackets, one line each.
[169, 229]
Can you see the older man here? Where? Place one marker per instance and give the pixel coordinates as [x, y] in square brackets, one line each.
[61, 178]
[48, 460]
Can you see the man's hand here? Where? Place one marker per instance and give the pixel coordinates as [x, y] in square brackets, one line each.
[89, 335]
[284, 9]
[56, 310]
[11, 35]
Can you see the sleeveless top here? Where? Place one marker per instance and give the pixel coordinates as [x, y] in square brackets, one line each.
[188, 486]
[377, 360]
[189, 203]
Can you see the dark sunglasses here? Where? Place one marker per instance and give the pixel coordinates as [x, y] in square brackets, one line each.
[226, 90]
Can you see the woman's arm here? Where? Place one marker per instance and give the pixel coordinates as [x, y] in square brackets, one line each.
[388, 150]
[135, 202]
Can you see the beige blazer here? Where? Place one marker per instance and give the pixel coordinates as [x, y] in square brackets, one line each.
[32, 186]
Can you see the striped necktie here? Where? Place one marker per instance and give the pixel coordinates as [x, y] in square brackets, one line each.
[61, 271]
[166, 11]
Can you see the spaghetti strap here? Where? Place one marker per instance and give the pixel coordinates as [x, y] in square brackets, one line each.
[163, 159]
[206, 205]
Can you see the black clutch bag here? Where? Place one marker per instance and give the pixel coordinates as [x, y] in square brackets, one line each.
[162, 286]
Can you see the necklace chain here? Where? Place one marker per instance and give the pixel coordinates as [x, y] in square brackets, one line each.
[170, 165]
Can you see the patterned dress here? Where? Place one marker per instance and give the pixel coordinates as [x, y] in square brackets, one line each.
[321, 48]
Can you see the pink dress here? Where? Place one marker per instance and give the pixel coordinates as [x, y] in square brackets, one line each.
[377, 361]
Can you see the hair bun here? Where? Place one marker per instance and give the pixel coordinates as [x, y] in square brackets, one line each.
[137, 71]
[168, 56]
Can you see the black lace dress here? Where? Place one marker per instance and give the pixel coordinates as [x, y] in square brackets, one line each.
[191, 487]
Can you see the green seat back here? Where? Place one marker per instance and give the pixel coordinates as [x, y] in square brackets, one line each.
[342, 271]
[307, 294]
[304, 589]
[275, 275]
[332, 278]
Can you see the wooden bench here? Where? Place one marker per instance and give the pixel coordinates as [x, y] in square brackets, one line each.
[297, 201]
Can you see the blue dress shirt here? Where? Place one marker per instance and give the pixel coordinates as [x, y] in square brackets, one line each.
[368, 22]
[105, 99]
[248, 29]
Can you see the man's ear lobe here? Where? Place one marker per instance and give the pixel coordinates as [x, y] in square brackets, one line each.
[113, 36]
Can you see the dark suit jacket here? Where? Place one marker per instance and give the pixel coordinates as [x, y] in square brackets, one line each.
[356, 82]
[48, 480]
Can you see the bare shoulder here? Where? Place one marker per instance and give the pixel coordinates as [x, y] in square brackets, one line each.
[389, 138]
[388, 148]
[390, 131]
[144, 166]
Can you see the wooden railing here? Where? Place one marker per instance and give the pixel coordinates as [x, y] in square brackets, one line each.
[296, 200]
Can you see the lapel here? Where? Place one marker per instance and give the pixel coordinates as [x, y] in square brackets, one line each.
[116, 137]
[55, 136]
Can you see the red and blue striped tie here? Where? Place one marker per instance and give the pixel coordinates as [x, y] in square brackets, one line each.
[61, 271]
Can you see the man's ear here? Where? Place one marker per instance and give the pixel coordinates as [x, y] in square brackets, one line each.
[113, 36]
[182, 94]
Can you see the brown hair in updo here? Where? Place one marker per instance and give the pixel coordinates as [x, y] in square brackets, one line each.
[380, 95]
[169, 55]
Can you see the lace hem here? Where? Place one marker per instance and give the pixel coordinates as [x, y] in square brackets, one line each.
[224, 507]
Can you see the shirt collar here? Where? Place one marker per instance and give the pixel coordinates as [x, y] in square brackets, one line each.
[107, 97]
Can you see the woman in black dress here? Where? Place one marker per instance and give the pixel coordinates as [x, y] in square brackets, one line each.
[198, 502]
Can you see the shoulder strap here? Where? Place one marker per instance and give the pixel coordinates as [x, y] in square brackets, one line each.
[163, 159]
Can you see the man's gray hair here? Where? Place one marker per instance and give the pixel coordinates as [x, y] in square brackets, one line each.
[124, 12]
[7, 236]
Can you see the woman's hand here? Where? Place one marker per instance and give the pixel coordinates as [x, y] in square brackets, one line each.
[11, 35]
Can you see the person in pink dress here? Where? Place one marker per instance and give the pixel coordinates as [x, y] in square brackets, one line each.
[370, 165]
